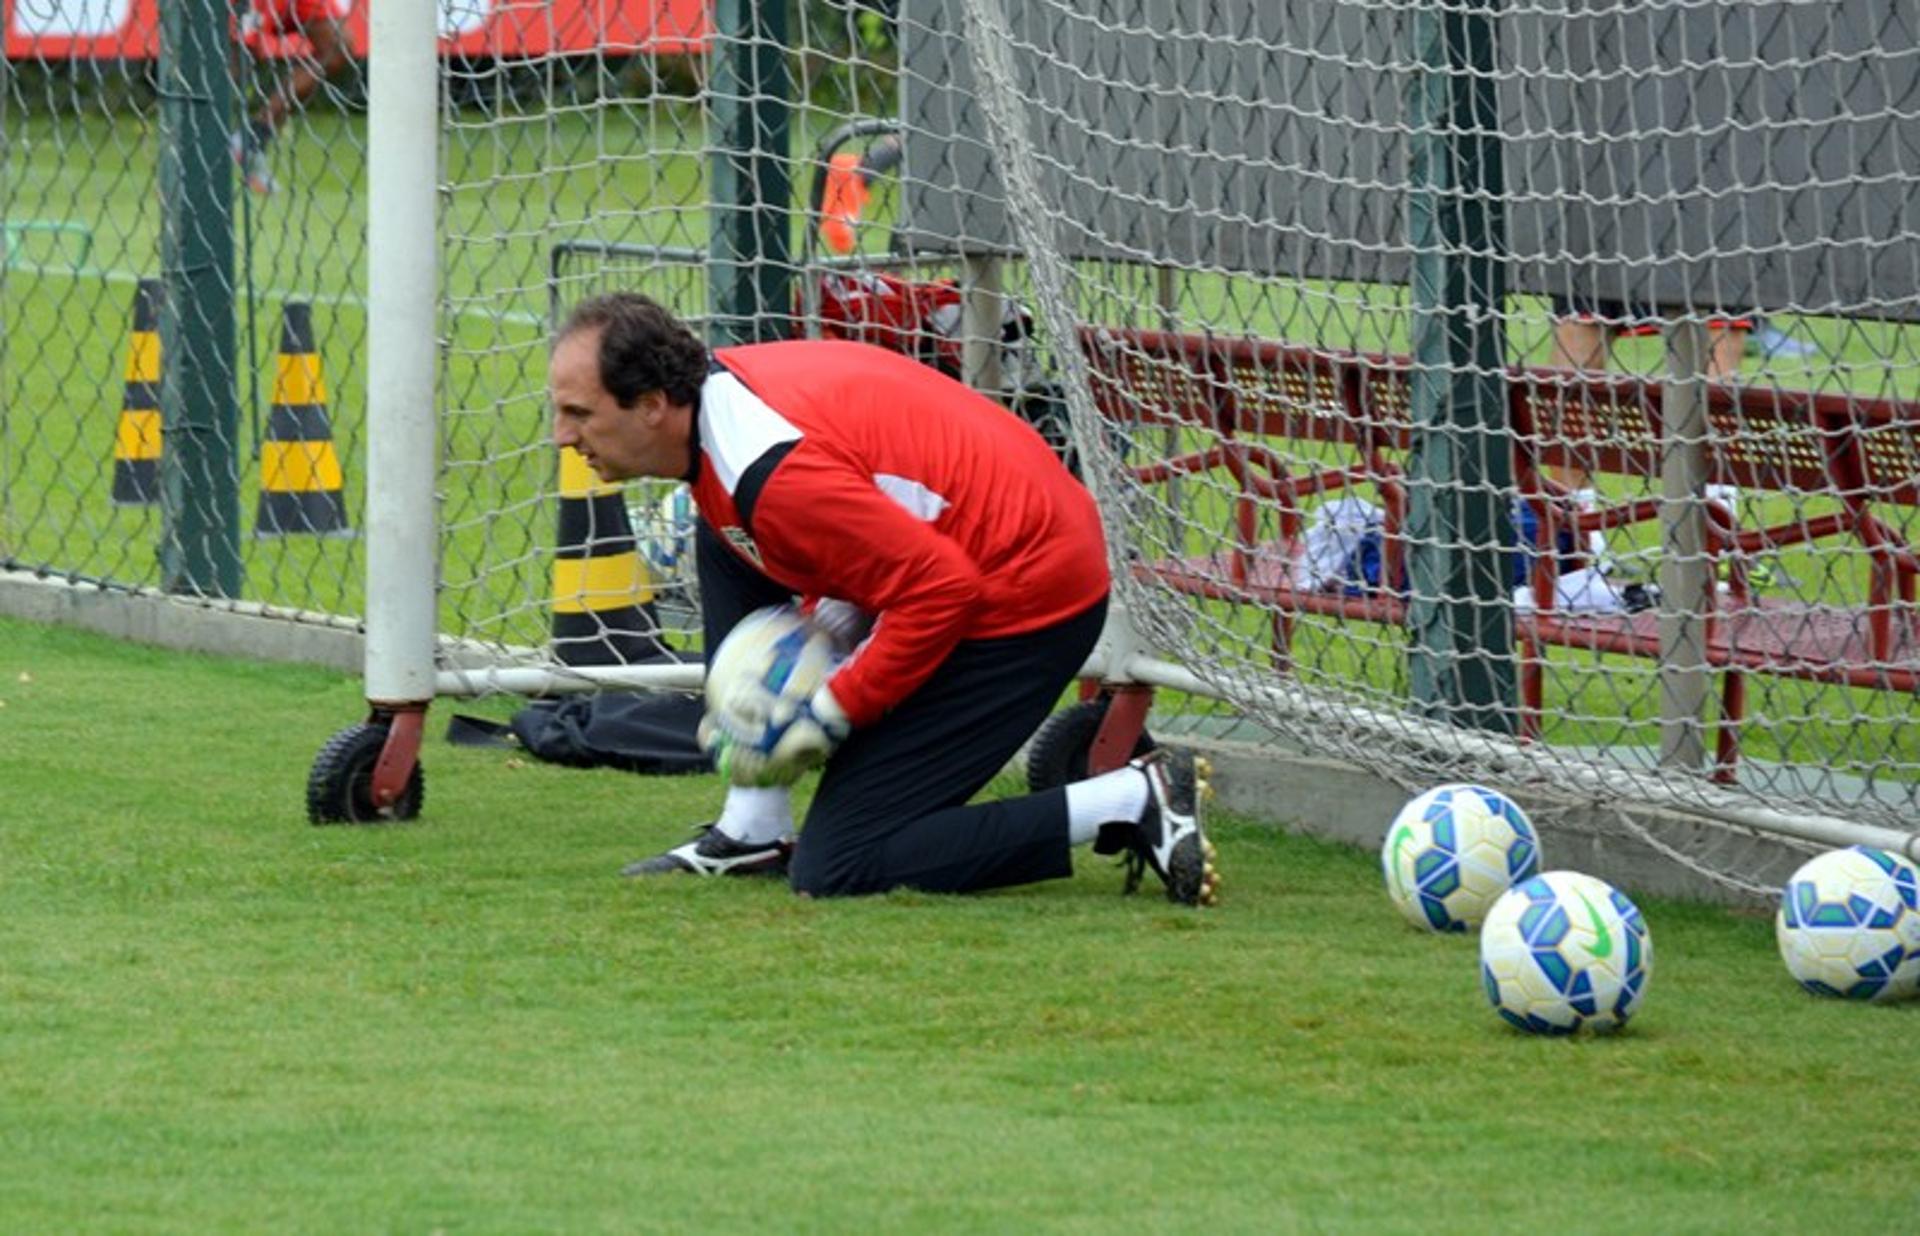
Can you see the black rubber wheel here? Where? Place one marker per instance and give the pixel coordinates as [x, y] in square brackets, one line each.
[1058, 753]
[340, 787]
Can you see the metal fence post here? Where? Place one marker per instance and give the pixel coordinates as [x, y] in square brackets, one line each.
[1460, 474]
[200, 473]
[751, 93]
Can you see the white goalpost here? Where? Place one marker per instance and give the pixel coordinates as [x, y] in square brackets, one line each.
[382, 755]
[1472, 389]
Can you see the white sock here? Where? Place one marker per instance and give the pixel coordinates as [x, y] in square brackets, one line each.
[755, 816]
[1118, 795]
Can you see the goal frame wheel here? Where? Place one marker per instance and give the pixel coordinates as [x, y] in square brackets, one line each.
[1062, 749]
[341, 785]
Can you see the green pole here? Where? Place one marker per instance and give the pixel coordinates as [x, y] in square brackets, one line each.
[750, 93]
[200, 481]
[1460, 473]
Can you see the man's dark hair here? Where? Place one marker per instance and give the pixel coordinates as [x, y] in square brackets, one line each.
[642, 348]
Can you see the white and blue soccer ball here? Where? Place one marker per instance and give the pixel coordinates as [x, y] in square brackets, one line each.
[1849, 925]
[761, 681]
[1564, 952]
[1452, 851]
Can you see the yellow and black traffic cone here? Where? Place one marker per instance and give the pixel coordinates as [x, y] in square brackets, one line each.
[300, 475]
[602, 599]
[136, 442]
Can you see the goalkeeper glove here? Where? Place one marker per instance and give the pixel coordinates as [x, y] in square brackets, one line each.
[774, 751]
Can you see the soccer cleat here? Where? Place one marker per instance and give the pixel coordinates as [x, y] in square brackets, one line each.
[252, 161]
[713, 853]
[1171, 837]
[1770, 341]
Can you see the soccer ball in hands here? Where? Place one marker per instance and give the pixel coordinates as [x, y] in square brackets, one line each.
[1563, 952]
[1453, 850]
[768, 717]
[1849, 925]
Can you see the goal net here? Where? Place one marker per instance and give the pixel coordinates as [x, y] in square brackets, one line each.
[1520, 391]
[1535, 372]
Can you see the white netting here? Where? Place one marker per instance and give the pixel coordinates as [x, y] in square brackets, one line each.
[1470, 388]
[1698, 560]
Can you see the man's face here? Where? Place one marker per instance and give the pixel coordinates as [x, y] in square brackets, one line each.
[650, 438]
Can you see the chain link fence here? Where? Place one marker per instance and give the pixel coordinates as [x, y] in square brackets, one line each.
[102, 267]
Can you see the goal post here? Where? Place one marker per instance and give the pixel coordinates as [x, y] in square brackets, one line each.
[1401, 345]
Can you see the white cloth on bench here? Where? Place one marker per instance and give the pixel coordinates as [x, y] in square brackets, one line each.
[1326, 552]
[1585, 591]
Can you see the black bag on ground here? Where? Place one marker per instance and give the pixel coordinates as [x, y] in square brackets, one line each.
[638, 732]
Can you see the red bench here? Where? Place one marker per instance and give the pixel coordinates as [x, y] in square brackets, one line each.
[1862, 453]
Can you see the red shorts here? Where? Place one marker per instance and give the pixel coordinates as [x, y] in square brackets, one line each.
[279, 18]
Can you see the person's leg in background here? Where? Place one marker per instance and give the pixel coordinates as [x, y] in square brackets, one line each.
[1726, 346]
[1583, 341]
[328, 51]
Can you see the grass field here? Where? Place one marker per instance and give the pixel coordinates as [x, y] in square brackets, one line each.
[216, 1018]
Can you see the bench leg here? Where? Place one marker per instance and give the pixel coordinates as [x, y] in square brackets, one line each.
[1282, 642]
[1733, 710]
[1532, 677]
[1881, 587]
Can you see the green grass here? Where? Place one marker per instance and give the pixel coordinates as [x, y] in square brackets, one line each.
[216, 1018]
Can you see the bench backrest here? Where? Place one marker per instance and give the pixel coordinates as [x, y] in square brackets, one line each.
[1759, 437]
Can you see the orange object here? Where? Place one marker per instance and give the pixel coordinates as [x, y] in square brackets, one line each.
[841, 204]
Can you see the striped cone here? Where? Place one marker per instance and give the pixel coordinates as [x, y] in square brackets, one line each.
[602, 599]
[299, 470]
[136, 442]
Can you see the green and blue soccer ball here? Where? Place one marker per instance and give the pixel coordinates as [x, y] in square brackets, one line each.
[1451, 852]
[1564, 952]
[1849, 925]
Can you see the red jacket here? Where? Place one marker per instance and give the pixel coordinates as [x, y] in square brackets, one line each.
[844, 470]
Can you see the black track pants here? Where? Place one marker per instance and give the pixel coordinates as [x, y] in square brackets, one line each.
[891, 810]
